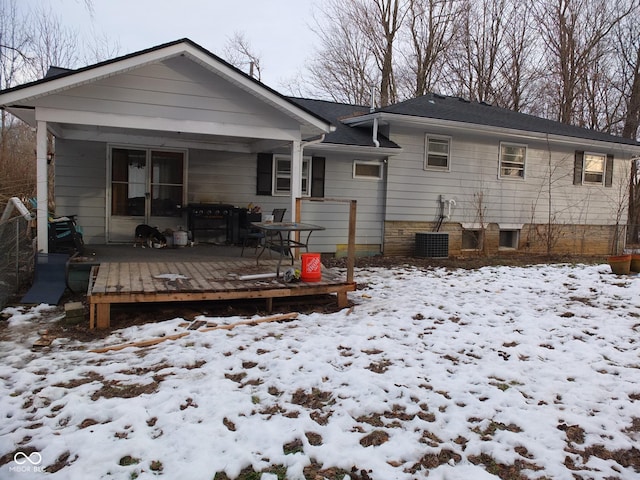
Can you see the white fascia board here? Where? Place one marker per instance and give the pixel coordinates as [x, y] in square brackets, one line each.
[357, 149]
[75, 79]
[163, 124]
[521, 135]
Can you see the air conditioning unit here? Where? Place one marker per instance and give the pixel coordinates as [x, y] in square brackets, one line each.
[432, 245]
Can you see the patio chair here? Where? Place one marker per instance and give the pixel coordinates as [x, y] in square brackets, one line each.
[65, 236]
[254, 235]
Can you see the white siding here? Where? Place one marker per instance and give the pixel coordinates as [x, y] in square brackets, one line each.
[175, 89]
[231, 178]
[413, 192]
[80, 169]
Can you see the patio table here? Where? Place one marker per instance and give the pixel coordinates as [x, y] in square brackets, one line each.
[276, 236]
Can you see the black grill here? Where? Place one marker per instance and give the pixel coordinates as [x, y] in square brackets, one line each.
[216, 218]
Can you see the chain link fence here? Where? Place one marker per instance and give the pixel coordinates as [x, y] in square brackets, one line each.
[16, 257]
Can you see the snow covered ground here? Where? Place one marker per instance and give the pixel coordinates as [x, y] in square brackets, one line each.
[501, 372]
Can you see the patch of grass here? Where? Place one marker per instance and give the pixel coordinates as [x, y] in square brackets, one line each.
[128, 460]
[156, 466]
[375, 438]
[293, 447]
[113, 389]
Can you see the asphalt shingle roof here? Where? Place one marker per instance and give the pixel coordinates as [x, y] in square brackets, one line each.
[343, 135]
[460, 110]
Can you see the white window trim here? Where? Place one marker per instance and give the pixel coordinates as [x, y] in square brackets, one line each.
[584, 169]
[367, 177]
[524, 165]
[425, 164]
[274, 176]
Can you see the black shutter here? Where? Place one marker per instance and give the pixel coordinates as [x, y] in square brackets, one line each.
[608, 171]
[263, 178]
[317, 176]
[577, 167]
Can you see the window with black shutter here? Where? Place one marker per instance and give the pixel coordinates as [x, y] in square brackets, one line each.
[264, 175]
[275, 170]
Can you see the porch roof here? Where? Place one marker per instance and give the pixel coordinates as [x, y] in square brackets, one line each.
[25, 100]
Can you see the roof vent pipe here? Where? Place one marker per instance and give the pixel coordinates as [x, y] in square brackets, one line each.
[373, 103]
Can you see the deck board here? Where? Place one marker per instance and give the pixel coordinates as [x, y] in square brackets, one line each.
[121, 282]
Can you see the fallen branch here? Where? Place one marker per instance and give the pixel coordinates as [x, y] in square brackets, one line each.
[273, 318]
[141, 343]
[155, 341]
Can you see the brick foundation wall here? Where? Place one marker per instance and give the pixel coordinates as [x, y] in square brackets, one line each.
[399, 239]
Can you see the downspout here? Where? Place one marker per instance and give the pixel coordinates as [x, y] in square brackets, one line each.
[376, 142]
[375, 119]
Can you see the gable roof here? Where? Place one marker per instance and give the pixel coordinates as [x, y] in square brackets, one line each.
[464, 111]
[343, 134]
[59, 79]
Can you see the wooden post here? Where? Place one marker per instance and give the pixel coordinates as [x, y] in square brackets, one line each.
[104, 315]
[351, 246]
[296, 235]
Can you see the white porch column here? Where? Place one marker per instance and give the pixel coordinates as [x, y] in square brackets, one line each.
[296, 175]
[42, 187]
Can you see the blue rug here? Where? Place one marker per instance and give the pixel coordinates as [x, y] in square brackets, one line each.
[50, 280]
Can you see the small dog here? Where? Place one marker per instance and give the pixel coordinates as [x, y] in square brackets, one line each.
[147, 236]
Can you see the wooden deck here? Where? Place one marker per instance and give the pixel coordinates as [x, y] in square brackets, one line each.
[144, 282]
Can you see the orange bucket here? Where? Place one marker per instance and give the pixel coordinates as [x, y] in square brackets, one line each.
[311, 270]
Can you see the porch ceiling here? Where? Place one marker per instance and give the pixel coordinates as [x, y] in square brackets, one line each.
[162, 138]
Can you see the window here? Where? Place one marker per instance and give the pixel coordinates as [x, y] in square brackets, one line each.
[471, 239]
[367, 170]
[273, 175]
[512, 160]
[509, 239]
[282, 175]
[436, 152]
[593, 171]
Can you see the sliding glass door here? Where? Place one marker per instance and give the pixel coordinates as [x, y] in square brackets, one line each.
[147, 186]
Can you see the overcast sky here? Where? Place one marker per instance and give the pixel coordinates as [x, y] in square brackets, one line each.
[278, 30]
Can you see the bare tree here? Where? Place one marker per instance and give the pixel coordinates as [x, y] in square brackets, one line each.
[573, 32]
[51, 44]
[343, 67]
[380, 21]
[239, 53]
[517, 59]
[628, 72]
[475, 65]
[430, 28]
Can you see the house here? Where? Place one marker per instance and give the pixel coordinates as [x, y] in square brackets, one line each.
[172, 132]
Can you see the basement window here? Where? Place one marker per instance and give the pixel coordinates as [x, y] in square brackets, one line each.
[509, 239]
[471, 239]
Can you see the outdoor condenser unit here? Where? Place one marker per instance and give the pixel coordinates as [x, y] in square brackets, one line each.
[432, 245]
